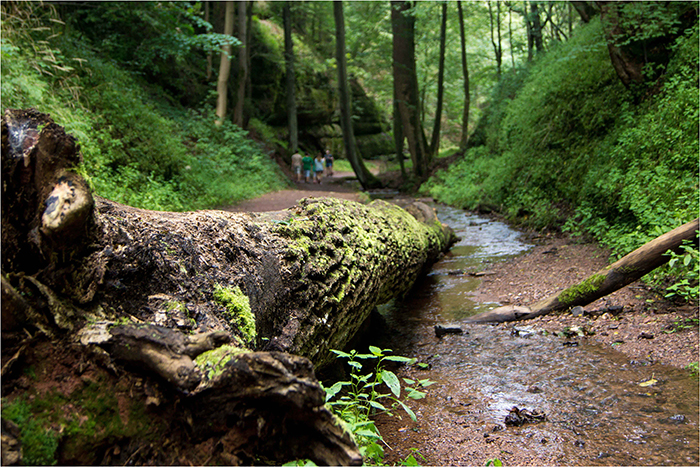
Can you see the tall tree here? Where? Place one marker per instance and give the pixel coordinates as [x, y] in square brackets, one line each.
[406, 83]
[210, 60]
[225, 67]
[465, 72]
[398, 135]
[364, 176]
[242, 64]
[496, 41]
[290, 80]
[435, 140]
[536, 28]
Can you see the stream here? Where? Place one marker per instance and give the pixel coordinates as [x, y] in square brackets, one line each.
[597, 411]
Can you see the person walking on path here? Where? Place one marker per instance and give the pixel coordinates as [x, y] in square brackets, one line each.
[296, 166]
[318, 167]
[329, 163]
[307, 164]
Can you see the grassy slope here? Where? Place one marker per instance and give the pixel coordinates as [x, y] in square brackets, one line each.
[138, 148]
[565, 147]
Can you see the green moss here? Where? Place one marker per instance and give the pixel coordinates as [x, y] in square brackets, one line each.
[212, 363]
[78, 423]
[237, 310]
[583, 289]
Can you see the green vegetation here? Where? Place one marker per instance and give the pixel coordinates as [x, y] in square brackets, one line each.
[140, 147]
[212, 362]
[583, 289]
[564, 145]
[688, 265]
[237, 310]
[355, 401]
[89, 416]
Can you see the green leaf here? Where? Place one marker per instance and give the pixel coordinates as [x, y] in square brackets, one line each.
[375, 350]
[415, 394]
[408, 381]
[335, 389]
[377, 405]
[341, 354]
[391, 380]
[408, 411]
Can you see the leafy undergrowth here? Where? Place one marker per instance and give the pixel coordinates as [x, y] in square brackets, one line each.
[569, 149]
[139, 148]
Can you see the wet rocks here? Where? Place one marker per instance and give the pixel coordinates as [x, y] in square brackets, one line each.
[519, 417]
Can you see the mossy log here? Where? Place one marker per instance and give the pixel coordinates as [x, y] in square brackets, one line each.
[209, 304]
[609, 279]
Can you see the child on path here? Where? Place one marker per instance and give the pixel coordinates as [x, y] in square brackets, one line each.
[318, 167]
[329, 163]
[307, 164]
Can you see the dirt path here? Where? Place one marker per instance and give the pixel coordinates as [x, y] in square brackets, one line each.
[340, 185]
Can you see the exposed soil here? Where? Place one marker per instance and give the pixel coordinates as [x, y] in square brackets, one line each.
[648, 329]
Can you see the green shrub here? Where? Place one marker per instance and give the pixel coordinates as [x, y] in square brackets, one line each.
[355, 401]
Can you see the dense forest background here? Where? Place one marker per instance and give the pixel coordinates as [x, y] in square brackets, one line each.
[577, 116]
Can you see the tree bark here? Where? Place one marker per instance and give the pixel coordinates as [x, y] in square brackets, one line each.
[224, 68]
[210, 59]
[290, 80]
[364, 176]
[465, 73]
[536, 27]
[398, 135]
[242, 64]
[406, 84]
[609, 279]
[435, 140]
[586, 10]
[497, 48]
[210, 304]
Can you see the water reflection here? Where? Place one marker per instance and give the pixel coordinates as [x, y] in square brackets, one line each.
[589, 390]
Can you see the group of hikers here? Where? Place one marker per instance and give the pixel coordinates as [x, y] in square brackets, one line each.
[313, 169]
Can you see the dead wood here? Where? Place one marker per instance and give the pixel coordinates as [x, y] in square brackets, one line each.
[609, 279]
[184, 298]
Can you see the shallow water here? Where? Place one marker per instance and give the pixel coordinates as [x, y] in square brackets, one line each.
[590, 393]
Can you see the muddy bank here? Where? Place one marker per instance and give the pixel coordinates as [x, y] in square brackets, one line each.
[647, 327]
[625, 336]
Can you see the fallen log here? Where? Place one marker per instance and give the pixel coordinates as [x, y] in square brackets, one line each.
[209, 306]
[609, 279]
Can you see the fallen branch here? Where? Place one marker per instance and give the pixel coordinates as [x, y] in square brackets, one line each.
[609, 279]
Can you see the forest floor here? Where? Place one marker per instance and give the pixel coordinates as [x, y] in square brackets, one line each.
[647, 329]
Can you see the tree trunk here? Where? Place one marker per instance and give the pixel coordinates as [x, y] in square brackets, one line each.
[609, 279]
[242, 64]
[204, 301]
[536, 27]
[586, 10]
[224, 68]
[406, 84]
[497, 50]
[398, 135]
[210, 59]
[435, 141]
[465, 73]
[364, 176]
[290, 80]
